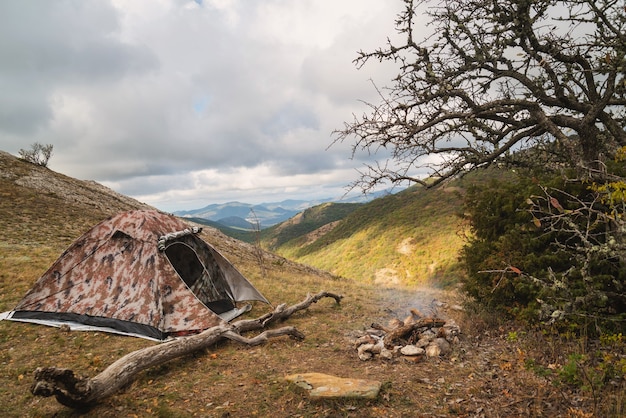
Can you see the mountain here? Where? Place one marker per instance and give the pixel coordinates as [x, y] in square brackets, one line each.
[240, 215]
[246, 215]
[46, 211]
[318, 219]
[24, 181]
[407, 237]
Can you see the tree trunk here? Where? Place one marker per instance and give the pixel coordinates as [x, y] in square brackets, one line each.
[592, 145]
[78, 392]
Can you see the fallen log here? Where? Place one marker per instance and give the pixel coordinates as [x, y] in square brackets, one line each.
[282, 312]
[79, 392]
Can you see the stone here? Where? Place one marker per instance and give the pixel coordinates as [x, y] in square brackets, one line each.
[413, 359]
[423, 342]
[386, 354]
[411, 350]
[444, 345]
[375, 332]
[433, 350]
[365, 351]
[428, 334]
[439, 347]
[366, 339]
[450, 330]
[378, 347]
[321, 385]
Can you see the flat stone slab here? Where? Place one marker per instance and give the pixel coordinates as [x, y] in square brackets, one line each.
[321, 385]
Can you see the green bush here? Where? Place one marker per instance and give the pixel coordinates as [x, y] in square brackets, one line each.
[538, 251]
[501, 238]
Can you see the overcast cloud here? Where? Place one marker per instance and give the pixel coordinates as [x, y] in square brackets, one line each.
[183, 103]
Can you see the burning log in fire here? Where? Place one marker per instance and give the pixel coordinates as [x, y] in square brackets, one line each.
[415, 337]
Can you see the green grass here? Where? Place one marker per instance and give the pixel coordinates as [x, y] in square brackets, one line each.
[412, 238]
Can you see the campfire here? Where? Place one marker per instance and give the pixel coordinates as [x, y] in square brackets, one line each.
[413, 338]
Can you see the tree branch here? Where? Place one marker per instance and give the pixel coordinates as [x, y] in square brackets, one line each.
[78, 392]
[493, 78]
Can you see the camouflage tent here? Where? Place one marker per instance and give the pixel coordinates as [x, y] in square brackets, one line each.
[141, 273]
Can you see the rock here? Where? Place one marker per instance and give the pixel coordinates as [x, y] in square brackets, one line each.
[450, 330]
[378, 347]
[411, 350]
[434, 339]
[321, 385]
[375, 332]
[428, 334]
[366, 339]
[433, 350]
[365, 351]
[386, 354]
[413, 359]
[444, 345]
[439, 347]
[423, 342]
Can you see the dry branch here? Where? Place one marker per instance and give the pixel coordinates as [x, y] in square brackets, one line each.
[392, 336]
[282, 312]
[77, 392]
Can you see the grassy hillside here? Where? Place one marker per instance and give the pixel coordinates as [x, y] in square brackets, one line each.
[42, 212]
[411, 237]
[275, 236]
[240, 234]
[299, 228]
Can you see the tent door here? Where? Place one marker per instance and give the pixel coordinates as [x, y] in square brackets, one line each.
[206, 282]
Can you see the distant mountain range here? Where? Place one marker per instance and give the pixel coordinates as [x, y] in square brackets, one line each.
[249, 216]
[409, 237]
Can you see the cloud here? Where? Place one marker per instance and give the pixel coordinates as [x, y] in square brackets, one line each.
[46, 46]
[182, 101]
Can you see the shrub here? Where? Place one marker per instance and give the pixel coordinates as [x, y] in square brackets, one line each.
[38, 154]
[546, 249]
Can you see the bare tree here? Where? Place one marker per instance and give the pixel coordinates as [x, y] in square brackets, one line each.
[38, 154]
[494, 77]
[258, 250]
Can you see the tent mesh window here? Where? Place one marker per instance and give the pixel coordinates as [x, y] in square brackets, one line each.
[203, 277]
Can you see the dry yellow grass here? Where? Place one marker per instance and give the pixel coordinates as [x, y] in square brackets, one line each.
[484, 375]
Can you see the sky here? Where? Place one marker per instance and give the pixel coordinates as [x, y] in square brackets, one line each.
[182, 103]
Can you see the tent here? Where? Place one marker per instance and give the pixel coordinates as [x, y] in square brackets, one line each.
[140, 273]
